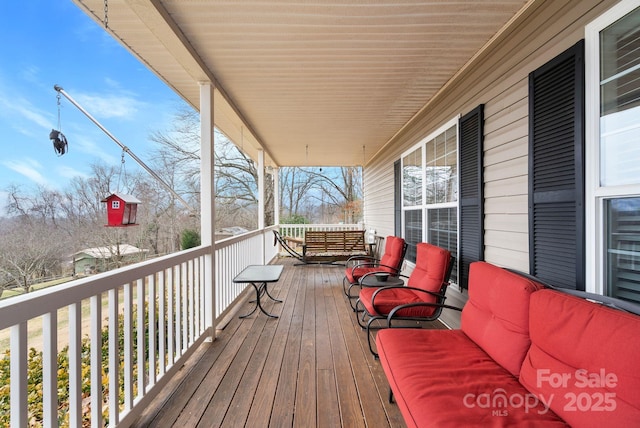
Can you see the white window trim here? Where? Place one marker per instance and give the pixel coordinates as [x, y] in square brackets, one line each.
[595, 194]
[422, 144]
[423, 207]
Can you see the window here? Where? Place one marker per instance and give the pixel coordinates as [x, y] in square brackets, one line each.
[430, 192]
[613, 152]
[412, 178]
[622, 249]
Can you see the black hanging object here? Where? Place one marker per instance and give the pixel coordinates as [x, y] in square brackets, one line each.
[60, 145]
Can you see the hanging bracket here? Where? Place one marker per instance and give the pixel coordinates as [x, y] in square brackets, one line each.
[125, 149]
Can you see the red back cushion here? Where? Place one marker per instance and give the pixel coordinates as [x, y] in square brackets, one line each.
[432, 266]
[496, 316]
[392, 253]
[583, 360]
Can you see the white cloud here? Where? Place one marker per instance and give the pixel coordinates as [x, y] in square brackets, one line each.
[108, 106]
[69, 172]
[87, 145]
[26, 110]
[31, 74]
[29, 168]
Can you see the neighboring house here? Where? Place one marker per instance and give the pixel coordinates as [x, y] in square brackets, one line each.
[228, 232]
[101, 259]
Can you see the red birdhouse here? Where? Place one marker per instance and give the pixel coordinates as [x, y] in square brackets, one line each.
[121, 210]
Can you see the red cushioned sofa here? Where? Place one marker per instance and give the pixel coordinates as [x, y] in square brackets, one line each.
[525, 356]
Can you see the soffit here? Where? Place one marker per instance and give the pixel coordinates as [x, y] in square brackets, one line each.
[324, 83]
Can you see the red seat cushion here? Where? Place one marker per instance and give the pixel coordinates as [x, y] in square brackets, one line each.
[388, 299]
[440, 378]
[496, 316]
[353, 274]
[432, 266]
[390, 261]
[585, 356]
[393, 252]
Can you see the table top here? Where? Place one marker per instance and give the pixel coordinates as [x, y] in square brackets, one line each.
[372, 281]
[260, 273]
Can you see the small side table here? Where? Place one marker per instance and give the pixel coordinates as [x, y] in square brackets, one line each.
[259, 276]
[372, 281]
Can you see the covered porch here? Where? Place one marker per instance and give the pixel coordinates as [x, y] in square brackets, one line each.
[371, 84]
[310, 367]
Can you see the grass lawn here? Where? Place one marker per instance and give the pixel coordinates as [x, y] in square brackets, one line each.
[17, 291]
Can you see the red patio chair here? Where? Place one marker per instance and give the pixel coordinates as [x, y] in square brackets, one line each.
[391, 262]
[421, 299]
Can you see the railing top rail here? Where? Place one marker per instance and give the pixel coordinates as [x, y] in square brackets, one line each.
[34, 304]
[226, 242]
[27, 306]
[323, 225]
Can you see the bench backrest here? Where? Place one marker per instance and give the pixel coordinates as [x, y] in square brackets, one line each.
[335, 240]
[496, 316]
[583, 360]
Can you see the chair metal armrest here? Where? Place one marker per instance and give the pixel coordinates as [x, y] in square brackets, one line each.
[360, 260]
[361, 257]
[394, 271]
[379, 290]
[393, 312]
[420, 290]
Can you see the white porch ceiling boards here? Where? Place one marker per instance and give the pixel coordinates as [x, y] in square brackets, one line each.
[331, 75]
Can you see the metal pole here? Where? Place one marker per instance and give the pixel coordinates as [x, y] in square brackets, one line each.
[124, 148]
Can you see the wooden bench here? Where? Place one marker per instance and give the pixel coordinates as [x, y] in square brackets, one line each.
[333, 245]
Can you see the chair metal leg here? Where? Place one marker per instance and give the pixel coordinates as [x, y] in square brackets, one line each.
[352, 298]
[361, 321]
[346, 288]
[372, 319]
[391, 395]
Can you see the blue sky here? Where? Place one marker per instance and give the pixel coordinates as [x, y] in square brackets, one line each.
[48, 42]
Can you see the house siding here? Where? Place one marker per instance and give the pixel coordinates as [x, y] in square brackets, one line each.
[498, 78]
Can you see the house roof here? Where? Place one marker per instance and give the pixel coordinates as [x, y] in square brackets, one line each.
[325, 83]
[108, 252]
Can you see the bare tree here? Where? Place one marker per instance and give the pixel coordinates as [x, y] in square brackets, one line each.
[341, 189]
[30, 250]
[296, 185]
[236, 174]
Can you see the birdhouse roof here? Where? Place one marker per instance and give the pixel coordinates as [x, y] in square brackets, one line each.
[127, 198]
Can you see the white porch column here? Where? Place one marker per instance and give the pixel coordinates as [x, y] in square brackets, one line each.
[261, 199]
[207, 201]
[276, 196]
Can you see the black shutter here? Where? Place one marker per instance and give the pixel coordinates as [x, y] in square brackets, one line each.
[556, 170]
[471, 128]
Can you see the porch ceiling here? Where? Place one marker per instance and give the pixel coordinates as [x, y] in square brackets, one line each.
[313, 82]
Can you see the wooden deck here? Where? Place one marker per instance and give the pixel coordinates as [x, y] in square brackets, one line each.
[309, 368]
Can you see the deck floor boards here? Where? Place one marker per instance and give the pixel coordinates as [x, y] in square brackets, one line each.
[311, 367]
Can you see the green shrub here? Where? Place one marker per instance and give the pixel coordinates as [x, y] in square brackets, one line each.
[34, 377]
[190, 238]
[294, 219]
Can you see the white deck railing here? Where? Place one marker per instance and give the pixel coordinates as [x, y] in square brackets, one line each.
[298, 230]
[82, 318]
